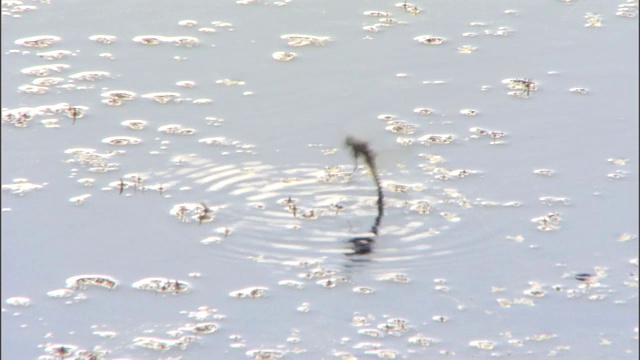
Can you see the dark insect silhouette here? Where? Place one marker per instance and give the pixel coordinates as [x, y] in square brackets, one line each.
[121, 186]
[525, 84]
[361, 149]
[74, 113]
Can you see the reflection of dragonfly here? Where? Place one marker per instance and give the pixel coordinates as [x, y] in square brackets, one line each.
[362, 245]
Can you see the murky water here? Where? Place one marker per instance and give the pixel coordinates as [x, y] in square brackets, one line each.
[175, 181]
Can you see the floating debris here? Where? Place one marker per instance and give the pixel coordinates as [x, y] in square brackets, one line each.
[176, 129]
[250, 292]
[105, 335]
[617, 175]
[429, 39]
[619, 162]
[60, 293]
[19, 301]
[362, 290]
[201, 328]
[450, 216]
[382, 353]
[207, 30]
[421, 207]
[103, 39]
[401, 127]
[160, 344]
[188, 23]
[520, 87]
[229, 82]
[117, 96]
[371, 332]
[39, 41]
[516, 238]
[423, 111]
[292, 284]
[202, 101]
[150, 39]
[318, 272]
[376, 13]
[433, 159]
[548, 222]
[361, 320]
[22, 187]
[193, 212]
[404, 141]
[297, 40]
[50, 123]
[122, 140]
[482, 344]
[422, 340]
[47, 81]
[89, 157]
[433, 82]
[163, 285]
[436, 139]
[186, 84]
[543, 172]
[394, 277]
[409, 7]
[188, 41]
[535, 290]
[81, 281]
[90, 75]
[134, 124]
[332, 281]
[33, 90]
[283, 56]
[265, 354]
[593, 20]
[394, 326]
[79, 200]
[44, 70]
[579, 90]
[626, 237]
[501, 31]
[161, 97]
[386, 117]
[467, 49]
[205, 312]
[54, 54]
[552, 200]
[542, 337]
[222, 24]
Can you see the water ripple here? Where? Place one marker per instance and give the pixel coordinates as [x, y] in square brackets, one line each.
[311, 211]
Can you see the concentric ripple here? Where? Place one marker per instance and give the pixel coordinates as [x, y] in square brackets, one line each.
[311, 211]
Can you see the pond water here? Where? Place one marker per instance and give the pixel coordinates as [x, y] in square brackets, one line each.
[175, 180]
